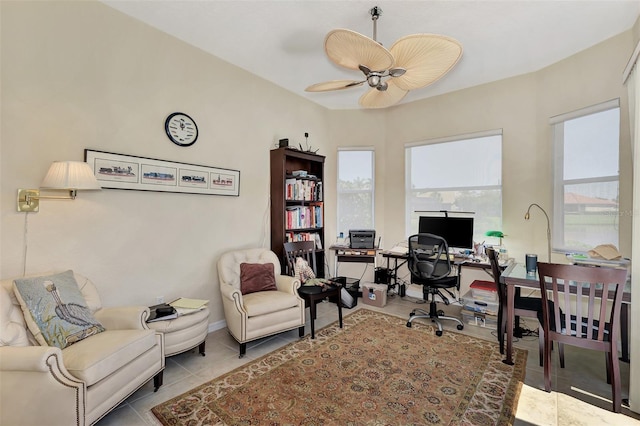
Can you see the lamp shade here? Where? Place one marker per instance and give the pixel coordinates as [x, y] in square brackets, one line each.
[70, 175]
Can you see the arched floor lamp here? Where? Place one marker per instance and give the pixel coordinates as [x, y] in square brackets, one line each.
[526, 217]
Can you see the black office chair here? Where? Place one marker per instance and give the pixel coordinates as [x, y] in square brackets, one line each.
[430, 266]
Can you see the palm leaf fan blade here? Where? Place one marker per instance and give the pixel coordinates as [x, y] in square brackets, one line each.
[333, 85]
[350, 49]
[426, 57]
[375, 98]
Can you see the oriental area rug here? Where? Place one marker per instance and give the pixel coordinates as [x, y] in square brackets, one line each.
[374, 371]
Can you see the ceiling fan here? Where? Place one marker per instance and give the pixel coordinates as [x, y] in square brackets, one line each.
[412, 62]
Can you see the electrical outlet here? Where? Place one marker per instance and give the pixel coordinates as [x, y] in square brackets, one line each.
[160, 299]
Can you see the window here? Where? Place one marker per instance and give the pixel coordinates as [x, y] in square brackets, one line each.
[461, 174]
[586, 177]
[355, 189]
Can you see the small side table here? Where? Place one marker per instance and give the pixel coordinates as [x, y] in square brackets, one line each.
[311, 293]
[184, 333]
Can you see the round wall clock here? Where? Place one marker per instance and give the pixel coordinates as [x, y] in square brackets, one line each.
[181, 129]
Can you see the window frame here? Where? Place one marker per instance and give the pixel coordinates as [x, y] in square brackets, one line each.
[559, 183]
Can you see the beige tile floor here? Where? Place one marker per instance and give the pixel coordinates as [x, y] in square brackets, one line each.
[580, 394]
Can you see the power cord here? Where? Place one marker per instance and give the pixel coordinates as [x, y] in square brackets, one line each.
[521, 333]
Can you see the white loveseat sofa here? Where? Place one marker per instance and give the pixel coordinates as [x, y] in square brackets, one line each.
[77, 385]
[264, 313]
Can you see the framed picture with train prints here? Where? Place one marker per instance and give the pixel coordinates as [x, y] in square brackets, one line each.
[122, 171]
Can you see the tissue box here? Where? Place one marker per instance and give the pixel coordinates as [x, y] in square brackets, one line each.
[374, 294]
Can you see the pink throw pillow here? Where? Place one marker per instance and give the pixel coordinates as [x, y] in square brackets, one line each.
[256, 277]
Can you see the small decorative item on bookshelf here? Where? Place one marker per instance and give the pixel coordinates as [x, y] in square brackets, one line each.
[161, 312]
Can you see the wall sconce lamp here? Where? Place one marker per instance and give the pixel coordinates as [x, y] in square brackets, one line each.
[70, 176]
[526, 217]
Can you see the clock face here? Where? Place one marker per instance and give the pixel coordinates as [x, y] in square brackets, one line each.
[181, 129]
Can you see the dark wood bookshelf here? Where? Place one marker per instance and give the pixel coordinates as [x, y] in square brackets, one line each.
[284, 162]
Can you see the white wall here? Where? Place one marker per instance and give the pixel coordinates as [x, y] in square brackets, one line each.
[79, 75]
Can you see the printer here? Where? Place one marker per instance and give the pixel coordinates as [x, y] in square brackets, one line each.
[362, 238]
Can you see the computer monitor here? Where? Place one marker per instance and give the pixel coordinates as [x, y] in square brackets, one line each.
[457, 231]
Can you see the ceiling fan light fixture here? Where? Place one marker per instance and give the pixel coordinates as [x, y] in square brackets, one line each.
[373, 79]
[382, 86]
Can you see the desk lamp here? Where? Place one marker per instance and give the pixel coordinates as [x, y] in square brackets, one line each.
[526, 217]
[497, 234]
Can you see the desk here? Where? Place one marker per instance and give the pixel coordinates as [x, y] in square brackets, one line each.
[516, 276]
[402, 257]
[346, 254]
[393, 272]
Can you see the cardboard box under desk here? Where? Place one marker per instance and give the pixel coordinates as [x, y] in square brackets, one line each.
[374, 294]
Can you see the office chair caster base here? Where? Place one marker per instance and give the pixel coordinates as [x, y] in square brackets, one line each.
[409, 324]
[460, 326]
[438, 333]
[440, 313]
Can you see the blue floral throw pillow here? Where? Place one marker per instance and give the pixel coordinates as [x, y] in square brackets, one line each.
[55, 310]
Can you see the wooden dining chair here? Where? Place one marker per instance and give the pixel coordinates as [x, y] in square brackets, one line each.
[303, 249]
[528, 307]
[584, 294]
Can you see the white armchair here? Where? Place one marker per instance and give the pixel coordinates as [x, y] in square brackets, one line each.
[77, 385]
[264, 313]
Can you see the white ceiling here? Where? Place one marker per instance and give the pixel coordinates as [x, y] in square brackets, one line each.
[283, 41]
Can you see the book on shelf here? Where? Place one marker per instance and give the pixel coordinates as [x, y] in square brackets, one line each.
[300, 217]
[161, 312]
[303, 190]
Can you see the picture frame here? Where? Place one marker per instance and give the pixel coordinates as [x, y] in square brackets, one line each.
[121, 171]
